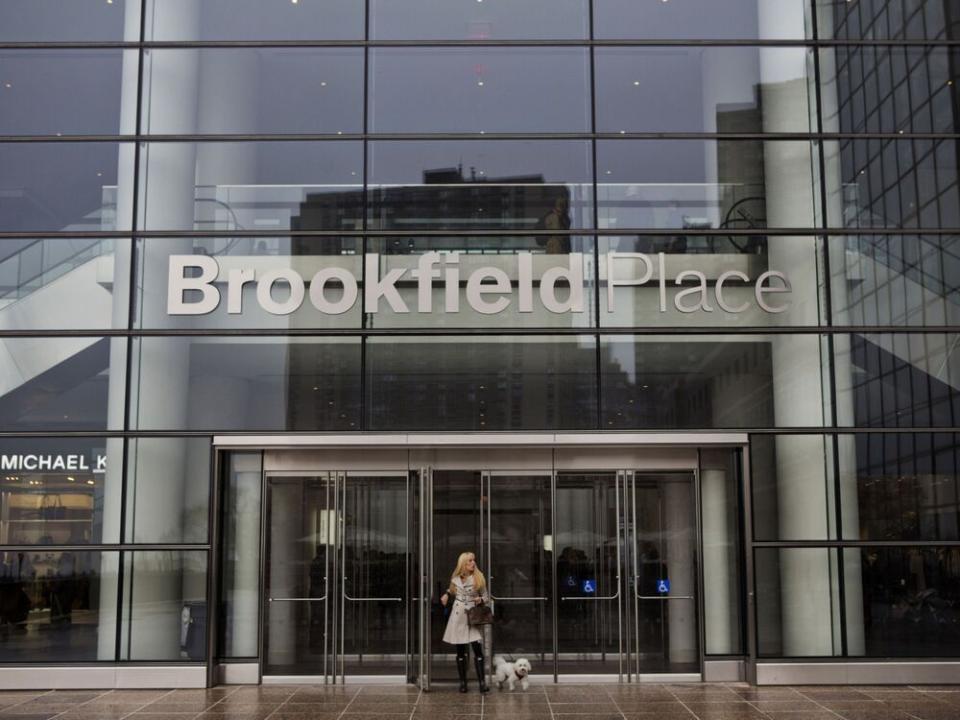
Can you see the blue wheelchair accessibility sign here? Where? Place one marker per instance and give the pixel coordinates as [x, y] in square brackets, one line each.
[589, 587]
[663, 586]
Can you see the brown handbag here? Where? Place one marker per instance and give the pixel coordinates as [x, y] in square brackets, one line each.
[480, 615]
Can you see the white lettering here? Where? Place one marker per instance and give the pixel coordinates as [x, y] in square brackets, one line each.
[525, 282]
[178, 284]
[476, 290]
[718, 291]
[318, 285]
[613, 283]
[763, 289]
[700, 290]
[382, 288]
[236, 279]
[265, 291]
[425, 273]
[574, 277]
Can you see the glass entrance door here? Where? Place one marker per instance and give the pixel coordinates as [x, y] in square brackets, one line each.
[338, 572]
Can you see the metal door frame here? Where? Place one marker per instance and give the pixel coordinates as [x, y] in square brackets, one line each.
[421, 577]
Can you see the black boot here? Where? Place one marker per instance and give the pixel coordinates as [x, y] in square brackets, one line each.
[462, 666]
[479, 665]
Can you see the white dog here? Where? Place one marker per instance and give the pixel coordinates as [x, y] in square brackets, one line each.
[512, 672]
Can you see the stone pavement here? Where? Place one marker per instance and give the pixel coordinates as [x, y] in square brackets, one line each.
[541, 702]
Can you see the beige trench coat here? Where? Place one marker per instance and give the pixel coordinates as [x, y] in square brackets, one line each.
[459, 631]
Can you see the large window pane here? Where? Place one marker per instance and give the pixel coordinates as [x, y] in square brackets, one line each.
[165, 606]
[168, 490]
[479, 90]
[698, 184]
[903, 183]
[39, 278]
[254, 304]
[792, 483]
[68, 21]
[888, 88]
[898, 380]
[58, 491]
[901, 487]
[480, 184]
[254, 20]
[486, 383]
[905, 280]
[710, 381]
[63, 92]
[58, 606]
[915, 20]
[240, 605]
[702, 89]
[730, 19]
[236, 383]
[57, 187]
[797, 602]
[268, 186]
[253, 90]
[710, 281]
[905, 601]
[470, 20]
[49, 384]
[544, 281]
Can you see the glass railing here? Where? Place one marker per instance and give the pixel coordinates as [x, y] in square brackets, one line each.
[43, 261]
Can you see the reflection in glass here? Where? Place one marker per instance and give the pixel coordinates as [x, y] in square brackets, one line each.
[730, 19]
[479, 90]
[65, 383]
[902, 487]
[375, 590]
[586, 538]
[910, 601]
[796, 612]
[896, 280]
[883, 183]
[66, 20]
[251, 186]
[676, 89]
[301, 257]
[165, 609]
[884, 89]
[555, 273]
[50, 606]
[168, 490]
[481, 383]
[36, 274]
[480, 184]
[62, 187]
[246, 383]
[240, 590]
[301, 543]
[470, 20]
[917, 20]
[76, 92]
[181, 20]
[898, 380]
[710, 381]
[56, 491]
[520, 565]
[705, 184]
[253, 90]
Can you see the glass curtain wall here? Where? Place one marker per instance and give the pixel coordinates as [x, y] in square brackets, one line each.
[258, 215]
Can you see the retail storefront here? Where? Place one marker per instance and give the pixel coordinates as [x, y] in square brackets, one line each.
[653, 305]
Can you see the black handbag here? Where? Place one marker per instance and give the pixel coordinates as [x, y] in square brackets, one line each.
[480, 615]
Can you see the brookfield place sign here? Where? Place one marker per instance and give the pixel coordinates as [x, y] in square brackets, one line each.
[197, 285]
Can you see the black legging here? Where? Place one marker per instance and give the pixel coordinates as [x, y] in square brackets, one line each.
[477, 647]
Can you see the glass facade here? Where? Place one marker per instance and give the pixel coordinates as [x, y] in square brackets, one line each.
[275, 217]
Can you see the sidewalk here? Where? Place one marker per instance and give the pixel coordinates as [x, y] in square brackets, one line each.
[541, 702]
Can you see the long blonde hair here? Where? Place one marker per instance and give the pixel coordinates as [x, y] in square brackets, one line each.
[479, 581]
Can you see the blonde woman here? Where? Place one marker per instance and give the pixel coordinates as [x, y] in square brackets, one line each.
[467, 589]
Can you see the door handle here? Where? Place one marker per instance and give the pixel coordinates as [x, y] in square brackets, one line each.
[297, 599]
[540, 599]
[665, 597]
[591, 597]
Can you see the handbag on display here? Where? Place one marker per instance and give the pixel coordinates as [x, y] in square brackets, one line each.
[480, 615]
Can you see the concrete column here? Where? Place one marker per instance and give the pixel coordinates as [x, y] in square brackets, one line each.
[718, 578]
[678, 521]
